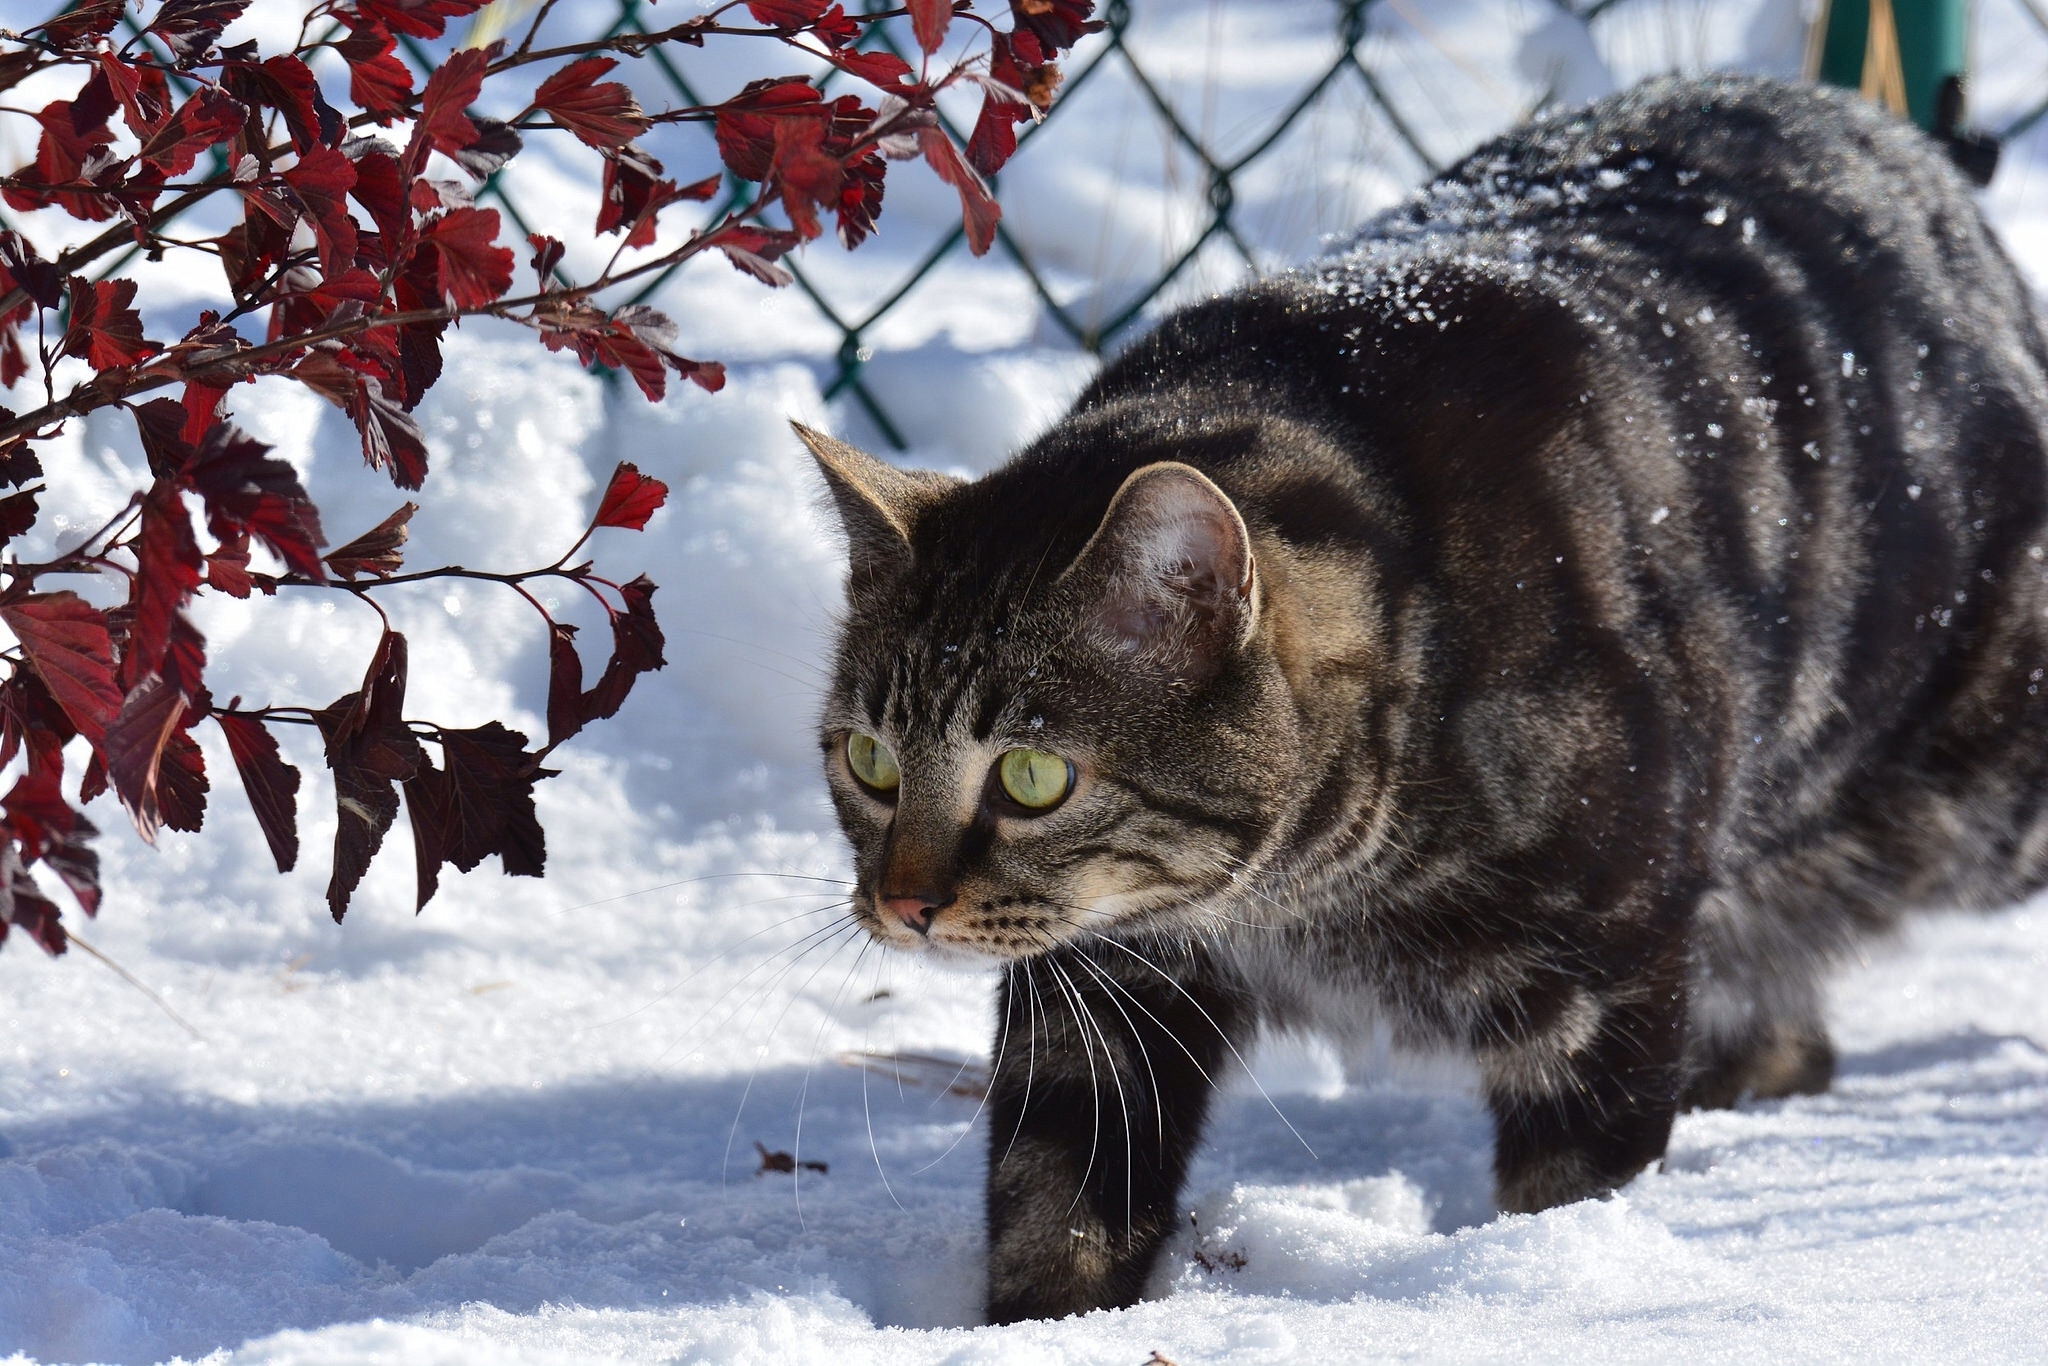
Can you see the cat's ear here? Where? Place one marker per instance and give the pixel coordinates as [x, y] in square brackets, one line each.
[1170, 572]
[878, 503]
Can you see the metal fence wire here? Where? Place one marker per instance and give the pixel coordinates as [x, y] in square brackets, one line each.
[1363, 75]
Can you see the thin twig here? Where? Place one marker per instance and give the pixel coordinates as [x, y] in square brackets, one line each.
[132, 980]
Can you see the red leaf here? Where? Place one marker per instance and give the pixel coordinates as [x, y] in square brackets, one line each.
[496, 143]
[245, 490]
[745, 127]
[786, 14]
[22, 903]
[602, 116]
[201, 404]
[481, 805]
[105, 328]
[75, 133]
[928, 21]
[82, 25]
[809, 174]
[391, 439]
[134, 748]
[50, 830]
[370, 749]
[880, 68]
[420, 18]
[994, 139]
[565, 683]
[442, 125]
[160, 424]
[636, 648]
[184, 666]
[167, 570]
[189, 27]
[322, 180]
[31, 717]
[181, 784]
[630, 499]
[272, 784]
[206, 118]
[377, 551]
[547, 254]
[66, 640]
[17, 514]
[755, 251]
[474, 270]
[228, 568]
[632, 194]
[1056, 24]
[287, 85]
[377, 80]
[144, 92]
[380, 188]
[978, 212]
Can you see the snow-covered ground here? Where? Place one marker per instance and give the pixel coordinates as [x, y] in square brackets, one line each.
[522, 1127]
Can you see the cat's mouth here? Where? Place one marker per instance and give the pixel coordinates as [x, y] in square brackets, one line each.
[1009, 930]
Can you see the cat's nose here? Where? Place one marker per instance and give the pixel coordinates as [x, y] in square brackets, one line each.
[915, 910]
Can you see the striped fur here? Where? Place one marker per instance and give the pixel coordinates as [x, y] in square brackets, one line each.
[1642, 598]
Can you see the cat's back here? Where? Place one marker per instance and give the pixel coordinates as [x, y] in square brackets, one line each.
[1709, 417]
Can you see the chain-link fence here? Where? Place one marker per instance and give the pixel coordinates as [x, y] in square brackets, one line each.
[1155, 177]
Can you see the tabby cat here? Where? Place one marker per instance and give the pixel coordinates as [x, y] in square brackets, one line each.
[1556, 627]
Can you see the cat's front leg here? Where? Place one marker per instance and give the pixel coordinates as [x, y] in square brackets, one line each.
[1583, 1083]
[1101, 1084]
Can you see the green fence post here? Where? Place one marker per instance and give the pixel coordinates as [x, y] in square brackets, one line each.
[1932, 37]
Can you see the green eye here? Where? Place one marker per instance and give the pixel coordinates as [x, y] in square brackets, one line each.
[1034, 778]
[872, 762]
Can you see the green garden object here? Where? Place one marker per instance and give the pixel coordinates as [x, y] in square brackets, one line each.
[1926, 47]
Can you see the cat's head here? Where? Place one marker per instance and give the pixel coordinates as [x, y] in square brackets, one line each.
[1054, 709]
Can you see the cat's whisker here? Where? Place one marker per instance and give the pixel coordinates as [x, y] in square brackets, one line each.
[1108, 979]
[1076, 1009]
[706, 964]
[1031, 1058]
[687, 882]
[797, 947]
[796, 1151]
[1220, 1034]
[995, 1069]
[761, 1050]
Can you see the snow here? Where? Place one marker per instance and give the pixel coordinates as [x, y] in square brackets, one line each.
[521, 1126]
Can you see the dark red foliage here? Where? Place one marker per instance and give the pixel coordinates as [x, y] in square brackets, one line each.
[200, 122]
[272, 784]
[105, 328]
[480, 804]
[246, 491]
[636, 649]
[370, 750]
[377, 80]
[134, 749]
[66, 641]
[348, 259]
[47, 828]
[629, 499]
[474, 270]
[189, 27]
[978, 209]
[378, 551]
[605, 116]
[928, 21]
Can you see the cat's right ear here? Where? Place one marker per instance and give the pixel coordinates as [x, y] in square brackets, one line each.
[1170, 571]
[878, 503]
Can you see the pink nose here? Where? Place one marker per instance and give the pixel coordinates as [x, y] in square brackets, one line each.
[915, 910]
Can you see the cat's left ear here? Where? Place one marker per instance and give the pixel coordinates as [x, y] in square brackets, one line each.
[878, 503]
[1171, 571]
